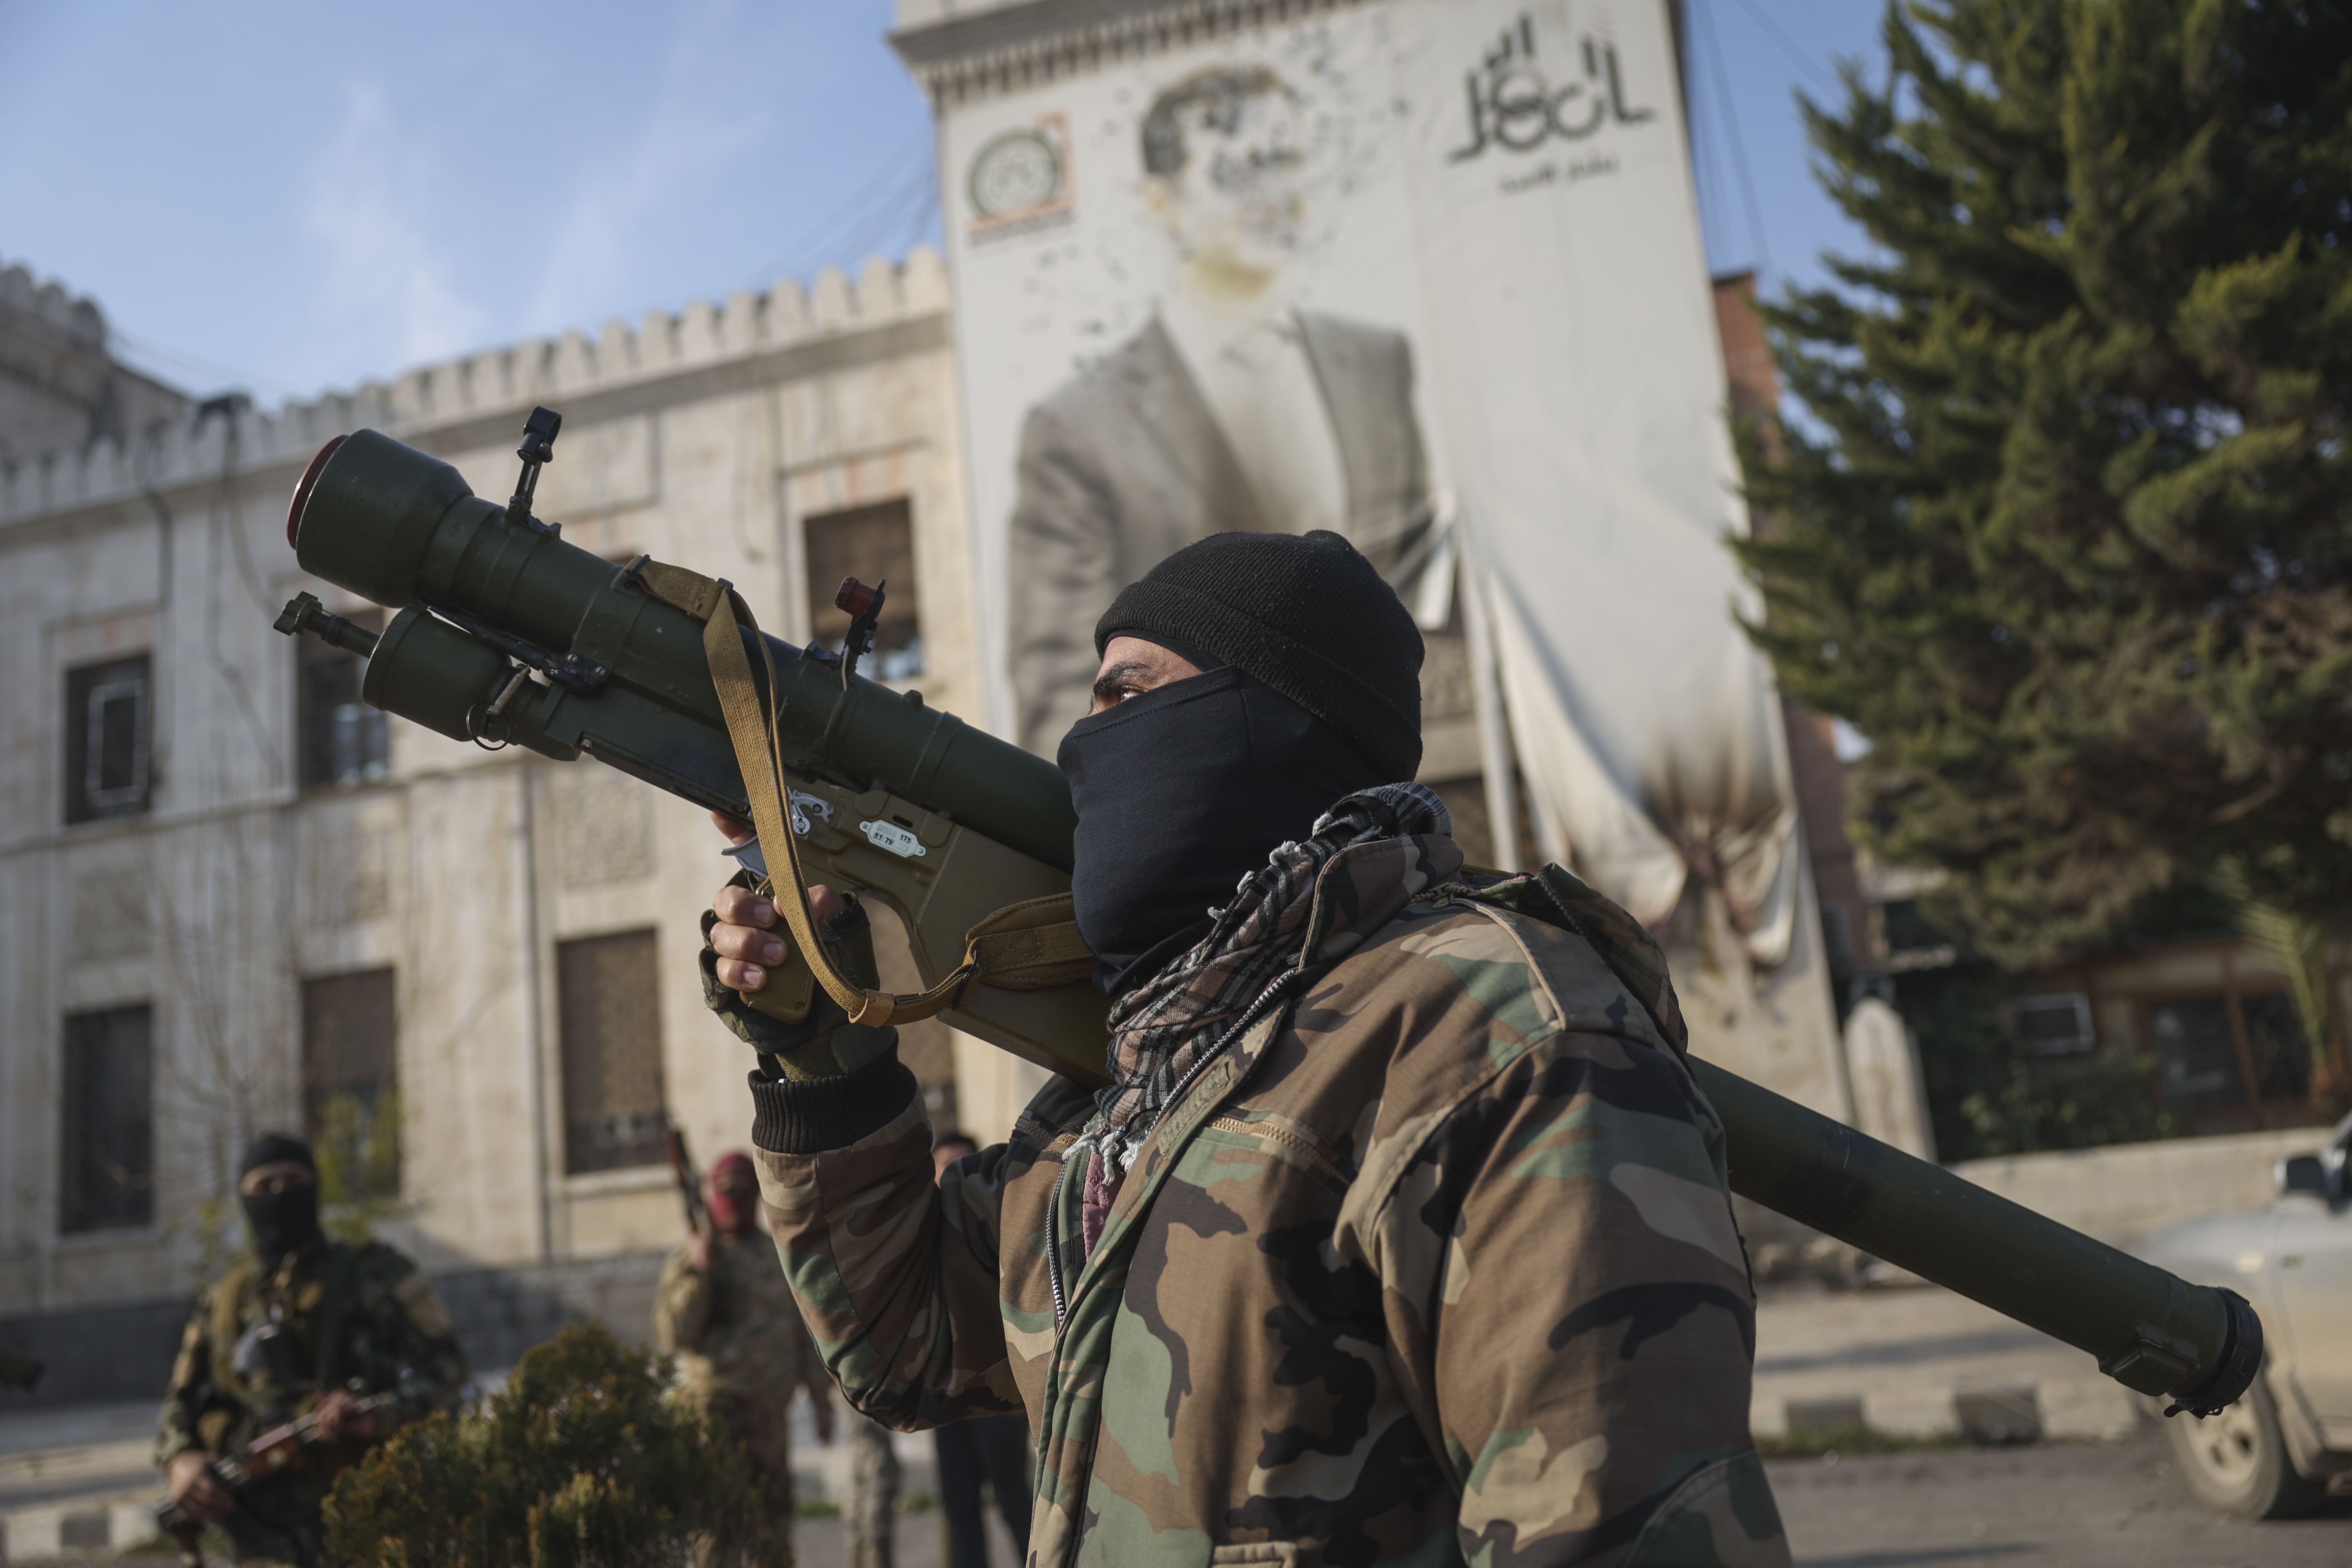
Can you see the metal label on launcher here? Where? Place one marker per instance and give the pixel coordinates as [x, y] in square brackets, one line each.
[892, 837]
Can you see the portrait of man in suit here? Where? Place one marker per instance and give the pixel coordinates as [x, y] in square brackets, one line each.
[1233, 408]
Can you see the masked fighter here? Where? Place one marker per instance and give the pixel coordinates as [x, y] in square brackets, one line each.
[304, 1327]
[1400, 1234]
[724, 1311]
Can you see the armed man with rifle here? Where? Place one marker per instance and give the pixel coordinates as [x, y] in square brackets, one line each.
[295, 1362]
[724, 1311]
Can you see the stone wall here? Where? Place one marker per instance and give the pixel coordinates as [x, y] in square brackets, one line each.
[61, 385]
[2121, 1192]
[703, 436]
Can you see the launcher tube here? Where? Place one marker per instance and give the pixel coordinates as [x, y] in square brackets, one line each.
[2150, 1330]
[634, 688]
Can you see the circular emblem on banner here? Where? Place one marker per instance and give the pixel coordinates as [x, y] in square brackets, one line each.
[1015, 172]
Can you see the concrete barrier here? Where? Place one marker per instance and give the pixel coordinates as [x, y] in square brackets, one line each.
[2121, 1192]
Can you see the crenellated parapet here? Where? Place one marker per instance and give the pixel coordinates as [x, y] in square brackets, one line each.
[565, 371]
[80, 319]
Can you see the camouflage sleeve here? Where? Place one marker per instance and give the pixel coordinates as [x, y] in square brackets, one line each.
[812, 1374]
[1571, 1297]
[184, 1400]
[896, 1276]
[420, 1334]
[681, 1304]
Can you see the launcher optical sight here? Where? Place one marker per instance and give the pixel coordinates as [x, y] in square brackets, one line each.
[507, 636]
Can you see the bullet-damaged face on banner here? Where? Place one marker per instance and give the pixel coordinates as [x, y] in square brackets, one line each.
[1229, 158]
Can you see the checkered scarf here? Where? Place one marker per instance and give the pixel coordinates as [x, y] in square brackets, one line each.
[1313, 901]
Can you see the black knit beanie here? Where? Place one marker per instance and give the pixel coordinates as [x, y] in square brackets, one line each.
[272, 1147]
[1307, 614]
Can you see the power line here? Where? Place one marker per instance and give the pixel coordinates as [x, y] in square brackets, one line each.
[1805, 62]
[1704, 175]
[880, 194]
[897, 223]
[1738, 145]
[179, 363]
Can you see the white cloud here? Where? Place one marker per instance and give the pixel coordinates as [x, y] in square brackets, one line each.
[388, 281]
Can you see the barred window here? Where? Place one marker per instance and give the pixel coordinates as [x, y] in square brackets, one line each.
[342, 741]
[109, 712]
[871, 543]
[108, 1175]
[610, 1001]
[351, 1083]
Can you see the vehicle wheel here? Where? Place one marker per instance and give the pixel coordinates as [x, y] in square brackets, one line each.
[2237, 1461]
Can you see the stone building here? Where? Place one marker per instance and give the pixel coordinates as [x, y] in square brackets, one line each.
[232, 898]
[60, 384]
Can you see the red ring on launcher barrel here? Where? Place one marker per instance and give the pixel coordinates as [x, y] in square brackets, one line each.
[302, 491]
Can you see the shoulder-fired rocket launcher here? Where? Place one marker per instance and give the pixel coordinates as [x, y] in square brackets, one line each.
[507, 635]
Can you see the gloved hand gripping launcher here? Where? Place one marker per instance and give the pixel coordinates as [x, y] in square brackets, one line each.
[506, 635]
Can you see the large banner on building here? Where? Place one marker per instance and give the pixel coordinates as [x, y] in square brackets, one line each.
[1425, 272]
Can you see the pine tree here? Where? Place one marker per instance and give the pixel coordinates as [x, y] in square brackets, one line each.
[2066, 533]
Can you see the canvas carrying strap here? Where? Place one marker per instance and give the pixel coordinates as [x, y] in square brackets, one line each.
[1026, 946]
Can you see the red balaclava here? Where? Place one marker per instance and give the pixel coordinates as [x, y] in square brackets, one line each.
[734, 1195]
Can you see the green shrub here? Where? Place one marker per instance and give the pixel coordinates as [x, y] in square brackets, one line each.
[579, 1462]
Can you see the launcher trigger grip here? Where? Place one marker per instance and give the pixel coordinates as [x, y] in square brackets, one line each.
[791, 989]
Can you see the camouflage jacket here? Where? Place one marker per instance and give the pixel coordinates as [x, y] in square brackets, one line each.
[1435, 1263]
[345, 1313]
[736, 1329]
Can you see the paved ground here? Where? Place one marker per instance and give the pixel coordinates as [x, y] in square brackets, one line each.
[1917, 1360]
[921, 1542]
[2049, 1505]
[87, 1473]
[1912, 1359]
[50, 1456]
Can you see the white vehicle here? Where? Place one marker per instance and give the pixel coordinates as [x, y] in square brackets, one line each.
[2270, 1455]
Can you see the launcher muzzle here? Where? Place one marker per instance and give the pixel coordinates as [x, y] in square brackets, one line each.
[507, 636]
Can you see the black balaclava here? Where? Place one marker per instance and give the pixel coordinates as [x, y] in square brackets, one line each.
[1310, 690]
[1182, 792]
[281, 1222]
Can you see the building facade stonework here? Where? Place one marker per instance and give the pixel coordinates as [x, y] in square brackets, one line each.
[232, 898]
[61, 384]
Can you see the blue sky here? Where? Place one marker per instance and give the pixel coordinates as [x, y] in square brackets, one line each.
[291, 197]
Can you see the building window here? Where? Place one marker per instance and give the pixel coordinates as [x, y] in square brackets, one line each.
[341, 738]
[873, 544]
[108, 1143]
[2279, 1057]
[2197, 1054]
[611, 1021]
[2050, 1025]
[351, 1082]
[109, 712]
[2225, 1057]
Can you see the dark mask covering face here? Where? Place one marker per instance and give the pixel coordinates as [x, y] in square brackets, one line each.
[1180, 793]
[283, 1221]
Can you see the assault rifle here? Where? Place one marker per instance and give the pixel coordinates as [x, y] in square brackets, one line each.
[507, 636]
[689, 1185]
[266, 1454]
